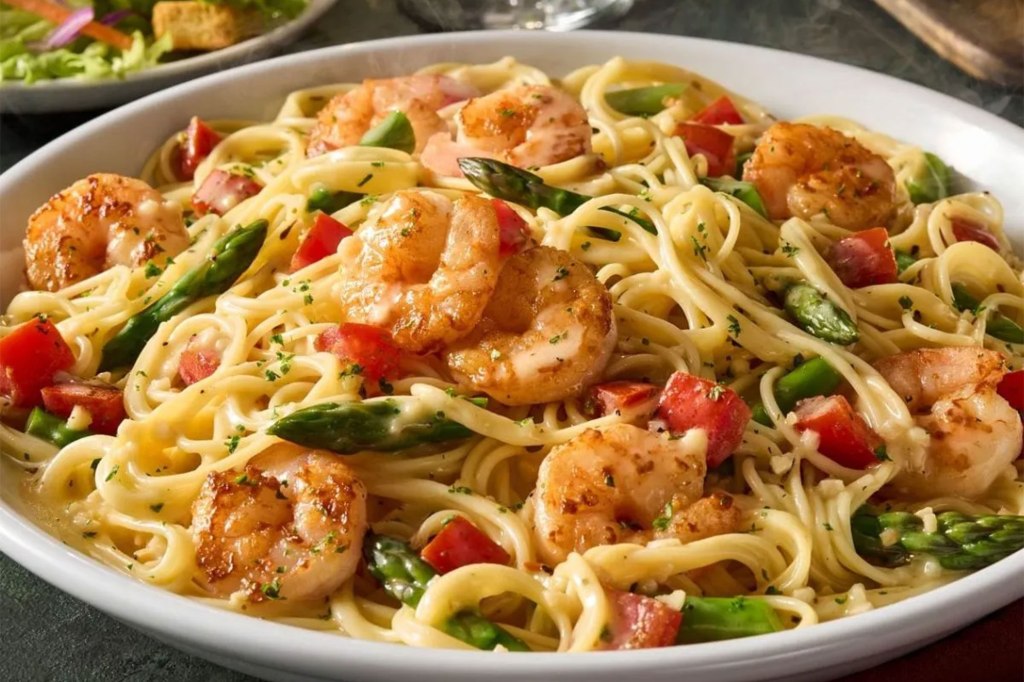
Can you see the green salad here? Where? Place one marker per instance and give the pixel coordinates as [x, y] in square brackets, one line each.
[107, 39]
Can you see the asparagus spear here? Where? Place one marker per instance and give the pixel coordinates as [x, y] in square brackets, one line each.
[744, 191]
[961, 542]
[323, 199]
[394, 132]
[932, 181]
[352, 427]
[643, 101]
[231, 256]
[711, 619]
[813, 378]
[507, 182]
[405, 576]
[51, 428]
[998, 326]
[819, 316]
[741, 161]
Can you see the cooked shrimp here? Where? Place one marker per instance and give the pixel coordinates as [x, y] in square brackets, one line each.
[98, 222]
[289, 525]
[347, 117]
[802, 170]
[975, 433]
[530, 125]
[547, 331]
[624, 484]
[423, 267]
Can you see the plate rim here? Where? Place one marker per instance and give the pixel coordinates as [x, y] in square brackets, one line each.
[312, 652]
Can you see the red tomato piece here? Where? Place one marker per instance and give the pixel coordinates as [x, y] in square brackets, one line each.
[513, 232]
[719, 112]
[632, 399]
[459, 544]
[690, 402]
[968, 231]
[196, 363]
[864, 259]
[221, 191]
[1011, 387]
[321, 241]
[844, 436]
[640, 622]
[200, 139]
[361, 344]
[29, 357]
[105, 404]
[714, 144]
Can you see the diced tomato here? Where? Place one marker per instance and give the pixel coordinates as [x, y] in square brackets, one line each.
[690, 402]
[105, 404]
[1011, 387]
[459, 544]
[631, 399]
[361, 344]
[714, 144]
[200, 139]
[321, 241]
[969, 231]
[29, 357]
[640, 622]
[844, 436]
[221, 191]
[196, 362]
[513, 231]
[864, 259]
[719, 112]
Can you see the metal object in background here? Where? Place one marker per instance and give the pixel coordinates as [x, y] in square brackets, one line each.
[552, 15]
[985, 38]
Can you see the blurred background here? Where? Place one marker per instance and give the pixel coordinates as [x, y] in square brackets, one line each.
[48, 635]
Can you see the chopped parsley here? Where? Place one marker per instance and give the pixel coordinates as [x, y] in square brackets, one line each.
[906, 302]
[561, 273]
[113, 472]
[734, 325]
[152, 270]
[232, 443]
[699, 250]
[460, 490]
[272, 590]
[661, 523]
[157, 507]
[789, 249]
[881, 454]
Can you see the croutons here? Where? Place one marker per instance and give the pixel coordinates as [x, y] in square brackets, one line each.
[200, 26]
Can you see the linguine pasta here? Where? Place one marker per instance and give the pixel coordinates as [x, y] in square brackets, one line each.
[694, 297]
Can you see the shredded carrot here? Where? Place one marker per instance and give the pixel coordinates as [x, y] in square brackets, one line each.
[57, 14]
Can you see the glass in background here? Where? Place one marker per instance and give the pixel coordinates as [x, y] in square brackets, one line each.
[552, 15]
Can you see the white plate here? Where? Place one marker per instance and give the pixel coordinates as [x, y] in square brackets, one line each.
[73, 95]
[983, 147]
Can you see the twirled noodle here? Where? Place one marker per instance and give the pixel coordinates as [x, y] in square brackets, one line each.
[690, 297]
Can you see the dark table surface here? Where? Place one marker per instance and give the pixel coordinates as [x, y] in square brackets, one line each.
[47, 635]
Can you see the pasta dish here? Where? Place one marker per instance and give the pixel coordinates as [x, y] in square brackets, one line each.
[479, 358]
